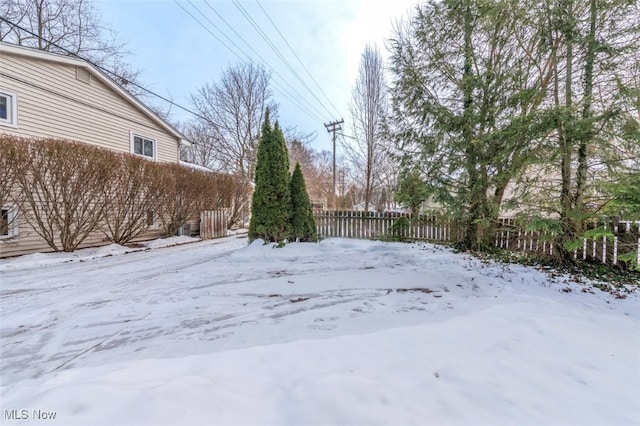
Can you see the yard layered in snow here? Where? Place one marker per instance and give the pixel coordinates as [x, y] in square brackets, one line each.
[340, 332]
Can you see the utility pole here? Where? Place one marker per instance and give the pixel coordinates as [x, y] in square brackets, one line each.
[333, 127]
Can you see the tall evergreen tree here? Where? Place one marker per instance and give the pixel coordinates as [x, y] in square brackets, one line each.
[271, 198]
[303, 225]
[594, 46]
[465, 101]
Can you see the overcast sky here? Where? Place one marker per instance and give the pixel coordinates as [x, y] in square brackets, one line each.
[177, 55]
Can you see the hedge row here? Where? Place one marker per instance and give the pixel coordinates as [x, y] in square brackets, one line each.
[67, 190]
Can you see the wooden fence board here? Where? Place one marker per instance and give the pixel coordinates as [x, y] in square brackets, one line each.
[213, 224]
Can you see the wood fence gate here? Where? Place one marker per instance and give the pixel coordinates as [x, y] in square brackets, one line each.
[213, 224]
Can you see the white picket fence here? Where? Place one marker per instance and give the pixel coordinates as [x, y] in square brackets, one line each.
[605, 250]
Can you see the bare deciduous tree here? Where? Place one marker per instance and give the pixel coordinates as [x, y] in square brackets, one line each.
[368, 108]
[299, 147]
[64, 26]
[203, 151]
[233, 110]
[316, 166]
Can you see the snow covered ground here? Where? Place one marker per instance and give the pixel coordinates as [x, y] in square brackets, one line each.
[341, 332]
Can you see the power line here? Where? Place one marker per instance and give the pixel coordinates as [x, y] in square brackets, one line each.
[297, 57]
[347, 136]
[205, 27]
[264, 37]
[120, 78]
[105, 70]
[282, 90]
[247, 15]
[284, 93]
[237, 47]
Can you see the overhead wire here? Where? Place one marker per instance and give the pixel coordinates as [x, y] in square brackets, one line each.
[267, 40]
[347, 136]
[283, 91]
[113, 75]
[205, 27]
[298, 58]
[108, 72]
[276, 73]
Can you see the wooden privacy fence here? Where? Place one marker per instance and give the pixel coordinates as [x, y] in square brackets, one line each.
[213, 223]
[373, 225]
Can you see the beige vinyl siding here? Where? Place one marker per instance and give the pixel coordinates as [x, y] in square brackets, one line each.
[91, 113]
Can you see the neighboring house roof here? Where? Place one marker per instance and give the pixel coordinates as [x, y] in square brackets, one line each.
[196, 167]
[29, 52]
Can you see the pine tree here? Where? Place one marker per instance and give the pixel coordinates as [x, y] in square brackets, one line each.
[271, 198]
[303, 225]
[465, 102]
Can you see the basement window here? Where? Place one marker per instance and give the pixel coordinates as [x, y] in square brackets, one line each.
[8, 222]
[8, 108]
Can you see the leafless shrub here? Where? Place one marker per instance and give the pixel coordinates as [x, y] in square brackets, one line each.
[135, 195]
[10, 157]
[61, 184]
[186, 197]
[238, 192]
[68, 190]
[196, 190]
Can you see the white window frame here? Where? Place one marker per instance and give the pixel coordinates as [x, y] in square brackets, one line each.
[155, 145]
[13, 221]
[12, 109]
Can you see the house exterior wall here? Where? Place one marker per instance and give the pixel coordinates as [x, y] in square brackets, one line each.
[68, 101]
[53, 103]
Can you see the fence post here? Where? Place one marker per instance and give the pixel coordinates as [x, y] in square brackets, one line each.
[604, 249]
[615, 250]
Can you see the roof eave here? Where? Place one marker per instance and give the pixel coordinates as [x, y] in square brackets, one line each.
[68, 60]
